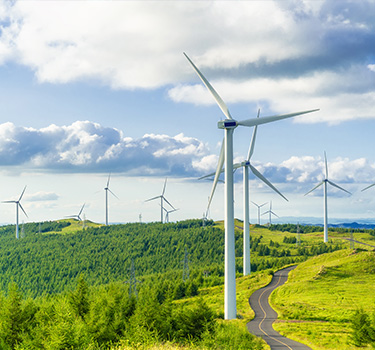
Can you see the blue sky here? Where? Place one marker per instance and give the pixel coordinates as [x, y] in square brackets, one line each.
[89, 88]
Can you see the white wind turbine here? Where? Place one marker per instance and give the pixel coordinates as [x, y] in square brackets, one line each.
[226, 153]
[246, 165]
[270, 212]
[167, 212]
[324, 182]
[106, 189]
[162, 199]
[79, 214]
[18, 205]
[258, 206]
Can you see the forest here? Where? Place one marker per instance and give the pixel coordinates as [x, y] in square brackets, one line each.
[107, 285]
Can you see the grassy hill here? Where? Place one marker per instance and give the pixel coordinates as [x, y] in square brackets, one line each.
[321, 296]
[100, 310]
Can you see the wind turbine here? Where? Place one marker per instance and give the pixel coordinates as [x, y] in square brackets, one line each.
[324, 182]
[79, 214]
[270, 212]
[226, 153]
[258, 206]
[167, 212]
[162, 198]
[18, 205]
[246, 165]
[106, 189]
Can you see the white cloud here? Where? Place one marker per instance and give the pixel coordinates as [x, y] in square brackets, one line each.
[87, 146]
[300, 53]
[307, 171]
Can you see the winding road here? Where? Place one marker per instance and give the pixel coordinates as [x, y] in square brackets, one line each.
[261, 325]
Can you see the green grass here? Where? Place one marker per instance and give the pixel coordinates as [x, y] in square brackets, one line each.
[322, 295]
[74, 227]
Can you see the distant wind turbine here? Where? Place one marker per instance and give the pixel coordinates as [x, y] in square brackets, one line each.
[106, 189]
[79, 214]
[167, 212]
[18, 205]
[162, 199]
[324, 182]
[259, 206]
[226, 154]
[270, 212]
[246, 165]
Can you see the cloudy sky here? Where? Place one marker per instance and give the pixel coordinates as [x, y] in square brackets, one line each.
[89, 88]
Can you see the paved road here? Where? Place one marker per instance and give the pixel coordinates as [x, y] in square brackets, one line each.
[261, 325]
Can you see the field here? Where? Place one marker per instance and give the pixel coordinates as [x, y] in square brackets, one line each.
[322, 295]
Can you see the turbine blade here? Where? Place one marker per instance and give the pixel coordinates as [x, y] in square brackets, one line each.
[165, 184]
[274, 214]
[337, 186]
[109, 176]
[151, 199]
[261, 177]
[236, 166]
[217, 174]
[206, 176]
[252, 143]
[8, 201]
[113, 194]
[22, 194]
[319, 184]
[216, 96]
[366, 188]
[325, 160]
[168, 202]
[22, 209]
[81, 209]
[263, 204]
[265, 120]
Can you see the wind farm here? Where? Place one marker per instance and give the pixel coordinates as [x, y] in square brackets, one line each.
[148, 98]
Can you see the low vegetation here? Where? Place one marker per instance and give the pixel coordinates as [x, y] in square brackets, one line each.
[323, 297]
[65, 286]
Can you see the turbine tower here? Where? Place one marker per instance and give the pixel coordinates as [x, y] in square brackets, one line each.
[270, 212]
[246, 165]
[79, 214]
[325, 182]
[162, 199]
[106, 189]
[258, 206]
[226, 153]
[18, 205]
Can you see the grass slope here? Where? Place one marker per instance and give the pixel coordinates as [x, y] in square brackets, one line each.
[321, 295]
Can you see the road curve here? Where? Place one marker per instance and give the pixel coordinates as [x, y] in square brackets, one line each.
[261, 325]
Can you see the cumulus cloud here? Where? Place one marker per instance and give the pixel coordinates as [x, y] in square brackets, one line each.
[302, 173]
[87, 146]
[311, 54]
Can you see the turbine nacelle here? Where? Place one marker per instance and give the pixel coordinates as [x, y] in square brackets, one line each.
[227, 124]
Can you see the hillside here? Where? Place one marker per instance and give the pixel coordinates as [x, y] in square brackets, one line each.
[51, 261]
[91, 267]
[322, 295]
